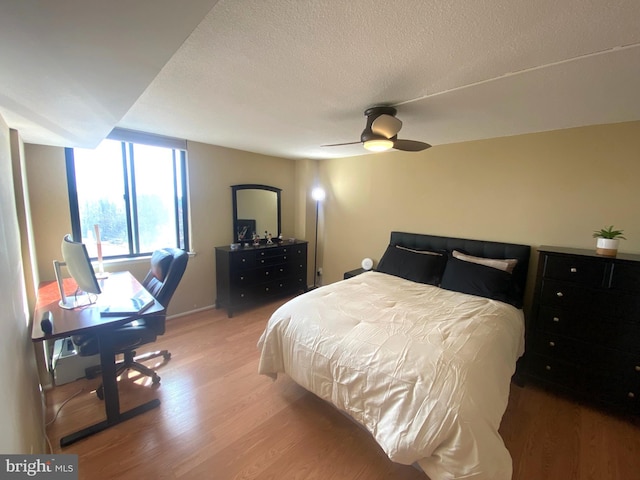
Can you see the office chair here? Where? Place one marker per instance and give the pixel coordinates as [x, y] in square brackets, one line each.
[167, 267]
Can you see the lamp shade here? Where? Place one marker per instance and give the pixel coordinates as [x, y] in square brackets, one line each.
[318, 194]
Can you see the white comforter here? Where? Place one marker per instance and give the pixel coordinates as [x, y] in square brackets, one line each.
[425, 370]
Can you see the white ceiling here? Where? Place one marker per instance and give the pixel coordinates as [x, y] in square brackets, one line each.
[282, 77]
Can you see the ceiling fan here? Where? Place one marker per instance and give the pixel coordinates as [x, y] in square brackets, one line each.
[381, 132]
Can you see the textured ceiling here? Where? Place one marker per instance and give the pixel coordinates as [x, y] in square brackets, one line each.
[283, 77]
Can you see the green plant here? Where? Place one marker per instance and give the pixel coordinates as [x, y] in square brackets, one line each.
[609, 233]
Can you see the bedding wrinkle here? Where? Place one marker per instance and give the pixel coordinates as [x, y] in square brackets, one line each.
[425, 370]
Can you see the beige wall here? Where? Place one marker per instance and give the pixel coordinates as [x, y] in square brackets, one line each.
[21, 415]
[550, 188]
[211, 172]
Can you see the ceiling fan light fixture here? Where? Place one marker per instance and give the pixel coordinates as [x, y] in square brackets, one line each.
[378, 144]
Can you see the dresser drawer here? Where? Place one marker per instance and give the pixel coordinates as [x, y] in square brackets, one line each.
[554, 370]
[242, 294]
[626, 277]
[593, 386]
[276, 287]
[567, 295]
[240, 278]
[589, 356]
[242, 260]
[589, 328]
[295, 250]
[271, 272]
[273, 260]
[299, 251]
[625, 396]
[612, 305]
[578, 270]
[266, 252]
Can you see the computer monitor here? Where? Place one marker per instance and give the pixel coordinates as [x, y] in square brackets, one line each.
[79, 266]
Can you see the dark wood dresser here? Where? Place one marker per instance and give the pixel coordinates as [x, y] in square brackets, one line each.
[252, 275]
[584, 334]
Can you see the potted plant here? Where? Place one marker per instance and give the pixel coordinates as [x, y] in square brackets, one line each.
[608, 240]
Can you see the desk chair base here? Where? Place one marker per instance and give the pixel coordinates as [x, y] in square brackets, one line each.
[132, 362]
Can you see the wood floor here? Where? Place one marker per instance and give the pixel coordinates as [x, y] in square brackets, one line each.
[220, 420]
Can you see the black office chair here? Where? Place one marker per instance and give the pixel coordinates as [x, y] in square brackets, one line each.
[167, 267]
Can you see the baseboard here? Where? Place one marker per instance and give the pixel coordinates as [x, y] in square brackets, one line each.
[189, 312]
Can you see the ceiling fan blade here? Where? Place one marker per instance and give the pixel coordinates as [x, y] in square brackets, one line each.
[386, 125]
[340, 144]
[410, 145]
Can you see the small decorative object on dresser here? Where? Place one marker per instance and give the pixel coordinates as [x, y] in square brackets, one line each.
[255, 275]
[584, 332]
[608, 240]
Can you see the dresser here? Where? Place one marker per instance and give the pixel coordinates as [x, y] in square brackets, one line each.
[250, 276]
[584, 333]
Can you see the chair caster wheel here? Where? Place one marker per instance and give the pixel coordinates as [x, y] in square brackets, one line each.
[167, 356]
[100, 392]
[155, 380]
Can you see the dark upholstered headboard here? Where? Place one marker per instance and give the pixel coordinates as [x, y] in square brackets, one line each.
[479, 248]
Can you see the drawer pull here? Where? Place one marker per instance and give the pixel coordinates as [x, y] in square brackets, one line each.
[573, 270]
[285, 257]
[242, 295]
[560, 294]
[266, 273]
[244, 260]
[281, 270]
[637, 368]
[552, 344]
[241, 278]
[631, 395]
[556, 319]
[266, 289]
[547, 367]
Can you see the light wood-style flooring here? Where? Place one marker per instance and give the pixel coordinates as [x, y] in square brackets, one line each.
[220, 420]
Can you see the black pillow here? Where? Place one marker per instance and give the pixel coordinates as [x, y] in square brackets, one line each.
[412, 265]
[480, 280]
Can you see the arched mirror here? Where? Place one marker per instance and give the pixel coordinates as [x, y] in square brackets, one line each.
[256, 208]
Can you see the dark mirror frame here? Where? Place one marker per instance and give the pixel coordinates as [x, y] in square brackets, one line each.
[251, 186]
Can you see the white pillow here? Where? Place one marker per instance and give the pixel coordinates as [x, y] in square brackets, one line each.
[506, 265]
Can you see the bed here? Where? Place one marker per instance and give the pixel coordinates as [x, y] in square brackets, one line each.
[420, 352]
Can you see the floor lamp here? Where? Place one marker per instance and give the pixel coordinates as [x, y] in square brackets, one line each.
[318, 195]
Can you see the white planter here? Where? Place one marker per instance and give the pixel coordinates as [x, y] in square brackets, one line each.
[607, 246]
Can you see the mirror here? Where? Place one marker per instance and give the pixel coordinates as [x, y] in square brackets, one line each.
[256, 208]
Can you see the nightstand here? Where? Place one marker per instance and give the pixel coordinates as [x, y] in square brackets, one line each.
[353, 273]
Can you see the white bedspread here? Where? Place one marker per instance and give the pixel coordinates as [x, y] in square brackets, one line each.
[425, 370]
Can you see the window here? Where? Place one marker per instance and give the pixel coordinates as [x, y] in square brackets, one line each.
[133, 186]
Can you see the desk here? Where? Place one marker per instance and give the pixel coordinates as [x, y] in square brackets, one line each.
[88, 320]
